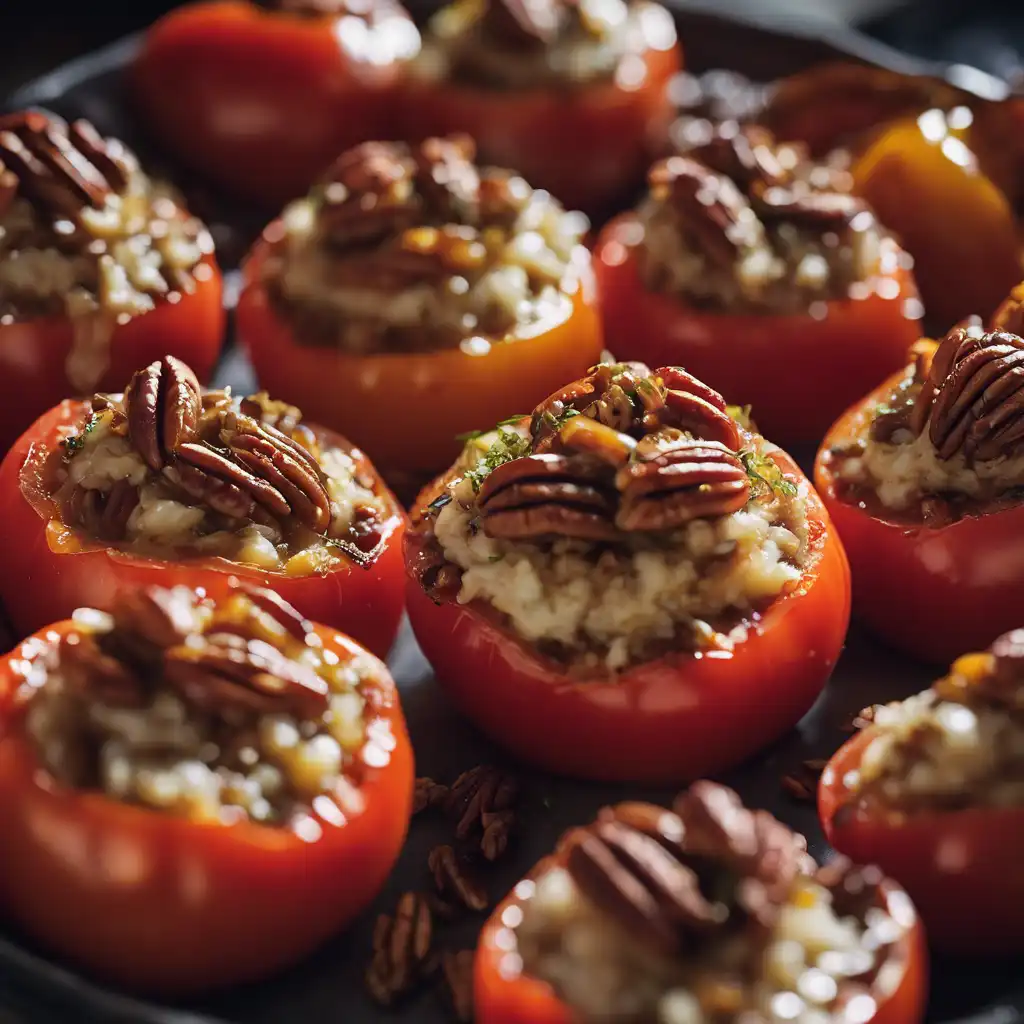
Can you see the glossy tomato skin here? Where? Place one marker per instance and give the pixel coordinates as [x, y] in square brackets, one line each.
[47, 571]
[33, 353]
[441, 394]
[750, 359]
[588, 146]
[933, 592]
[261, 102]
[962, 869]
[670, 720]
[504, 995]
[158, 904]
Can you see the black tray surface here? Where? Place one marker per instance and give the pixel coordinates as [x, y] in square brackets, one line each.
[327, 988]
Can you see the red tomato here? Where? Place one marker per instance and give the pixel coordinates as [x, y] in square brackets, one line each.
[750, 359]
[962, 869]
[668, 720]
[934, 592]
[588, 145]
[504, 995]
[48, 570]
[33, 353]
[161, 904]
[440, 394]
[260, 101]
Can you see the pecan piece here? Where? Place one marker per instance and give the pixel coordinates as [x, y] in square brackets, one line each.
[225, 485]
[225, 671]
[541, 495]
[283, 465]
[284, 614]
[973, 399]
[691, 480]
[692, 406]
[582, 434]
[163, 404]
[97, 676]
[478, 792]
[708, 205]
[447, 179]
[401, 948]
[104, 514]
[746, 154]
[453, 881]
[271, 412]
[457, 969]
[427, 794]
[157, 616]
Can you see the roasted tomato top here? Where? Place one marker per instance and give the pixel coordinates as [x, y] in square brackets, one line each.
[922, 480]
[574, 96]
[212, 484]
[933, 791]
[625, 546]
[96, 262]
[262, 97]
[707, 913]
[238, 758]
[747, 258]
[419, 280]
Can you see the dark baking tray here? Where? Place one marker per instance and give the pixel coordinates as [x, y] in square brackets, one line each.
[327, 987]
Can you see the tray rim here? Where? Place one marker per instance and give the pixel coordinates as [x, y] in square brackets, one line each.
[53, 988]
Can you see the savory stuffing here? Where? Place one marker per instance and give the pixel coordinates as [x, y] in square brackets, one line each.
[959, 744]
[85, 234]
[706, 914]
[949, 439]
[215, 711]
[172, 471]
[507, 44]
[410, 248]
[741, 223]
[631, 517]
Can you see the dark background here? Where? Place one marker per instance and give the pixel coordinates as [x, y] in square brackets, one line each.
[39, 34]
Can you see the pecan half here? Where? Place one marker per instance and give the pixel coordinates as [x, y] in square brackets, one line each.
[284, 614]
[547, 494]
[59, 169]
[160, 617]
[224, 671]
[457, 969]
[708, 205]
[95, 675]
[222, 484]
[163, 403]
[693, 406]
[401, 949]
[690, 480]
[285, 466]
[973, 398]
[746, 154]
[453, 880]
[476, 793]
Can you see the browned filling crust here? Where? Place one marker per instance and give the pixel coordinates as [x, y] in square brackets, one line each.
[704, 914]
[740, 222]
[171, 469]
[405, 248]
[957, 745]
[547, 44]
[216, 711]
[949, 440]
[84, 233]
[642, 482]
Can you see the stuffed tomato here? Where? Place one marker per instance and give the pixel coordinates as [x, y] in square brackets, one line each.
[629, 585]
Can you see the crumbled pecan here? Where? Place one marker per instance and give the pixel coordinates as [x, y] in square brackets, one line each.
[672, 485]
[454, 880]
[59, 168]
[228, 671]
[707, 204]
[104, 515]
[972, 401]
[163, 404]
[542, 495]
[401, 950]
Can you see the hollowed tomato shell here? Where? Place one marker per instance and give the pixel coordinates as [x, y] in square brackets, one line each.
[33, 353]
[671, 720]
[406, 409]
[933, 592]
[797, 372]
[503, 994]
[962, 869]
[48, 570]
[163, 905]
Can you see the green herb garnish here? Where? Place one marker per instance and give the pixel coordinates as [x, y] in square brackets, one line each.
[508, 447]
[473, 435]
[75, 442]
[765, 475]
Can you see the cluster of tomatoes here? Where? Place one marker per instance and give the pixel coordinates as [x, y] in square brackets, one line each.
[261, 101]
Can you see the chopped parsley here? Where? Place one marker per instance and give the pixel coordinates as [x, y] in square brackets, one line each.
[472, 435]
[765, 476]
[508, 447]
[75, 442]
